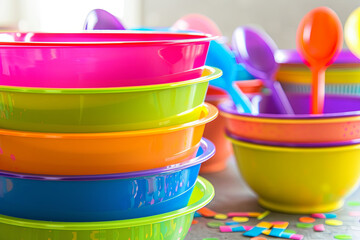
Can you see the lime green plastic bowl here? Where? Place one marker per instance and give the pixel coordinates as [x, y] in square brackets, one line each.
[168, 226]
[103, 109]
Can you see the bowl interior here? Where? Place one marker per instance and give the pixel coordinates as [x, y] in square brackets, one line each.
[335, 106]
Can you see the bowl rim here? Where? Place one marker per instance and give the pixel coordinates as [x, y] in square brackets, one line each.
[201, 184]
[212, 113]
[227, 111]
[292, 144]
[291, 56]
[195, 37]
[293, 149]
[209, 73]
[208, 151]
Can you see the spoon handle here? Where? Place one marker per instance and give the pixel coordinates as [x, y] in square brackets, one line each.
[318, 90]
[241, 101]
[279, 97]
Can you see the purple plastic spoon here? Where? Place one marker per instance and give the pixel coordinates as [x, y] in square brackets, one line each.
[99, 19]
[255, 49]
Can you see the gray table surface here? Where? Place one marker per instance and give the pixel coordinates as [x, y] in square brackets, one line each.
[233, 195]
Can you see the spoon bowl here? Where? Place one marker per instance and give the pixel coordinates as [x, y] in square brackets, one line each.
[99, 19]
[256, 50]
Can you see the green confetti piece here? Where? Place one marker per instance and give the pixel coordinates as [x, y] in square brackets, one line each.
[304, 225]
[215, 224]
[342, 236]
[290, 231]
[353, 203]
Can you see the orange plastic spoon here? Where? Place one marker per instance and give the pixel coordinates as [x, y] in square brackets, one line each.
[319, 40]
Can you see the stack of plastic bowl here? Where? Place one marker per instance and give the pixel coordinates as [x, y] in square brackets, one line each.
[298, 163]
[101, 134]
[342, 77]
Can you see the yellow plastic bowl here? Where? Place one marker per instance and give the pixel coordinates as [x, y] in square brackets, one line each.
[299, 180]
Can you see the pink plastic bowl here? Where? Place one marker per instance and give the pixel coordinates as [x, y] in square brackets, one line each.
[339, 123]
[100, 59]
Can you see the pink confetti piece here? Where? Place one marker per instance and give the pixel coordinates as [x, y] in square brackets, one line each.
[319, 228]
[225, 229]
[318, 215]
[354, 213]
[297, 237]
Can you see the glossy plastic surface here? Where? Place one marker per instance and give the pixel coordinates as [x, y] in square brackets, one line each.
[170, 226]
[215, 132]
[101, 153]
[101, 197]
[103, 109]
[339, 123]
[319, 40]
[299, 180]
[352, 32]
[255, 49]
[99, 19]
[96, 59]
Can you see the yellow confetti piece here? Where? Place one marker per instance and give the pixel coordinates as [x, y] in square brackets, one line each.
[333, 222]
[263, 215]
[240, 219]
[220, 216]
[264, 224]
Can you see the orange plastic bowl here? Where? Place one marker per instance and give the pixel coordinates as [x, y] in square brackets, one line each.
[101, 153]
[339, 123]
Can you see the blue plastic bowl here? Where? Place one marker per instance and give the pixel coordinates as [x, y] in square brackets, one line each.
[101, 197]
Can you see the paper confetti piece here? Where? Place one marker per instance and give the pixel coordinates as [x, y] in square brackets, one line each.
[286, 235]
[263, 215]
[231, 223]
[220, 216]
[258, 238]
[205, 212]
[343, 236]
[330, 215]
[319, 228]
[289, 231]
[215, 224]
[282, 225]
[354, 213]
[304, 225]
[353, 203]
[333, 222]
[244, 214]
[296, 237]
[258, 229]
[240, 219]
[306, 219]
[197, 215]
[318, 215]
[235, 229]
[195, 222]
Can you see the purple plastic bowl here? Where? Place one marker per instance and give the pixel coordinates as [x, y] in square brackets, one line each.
[300, 145]
[335, 106]
[97, 59]
[292, 57]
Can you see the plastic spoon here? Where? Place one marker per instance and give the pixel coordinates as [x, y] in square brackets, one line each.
[225, 60]
[99, 19]
[255, 49]
[319, 40]
[352, 32]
